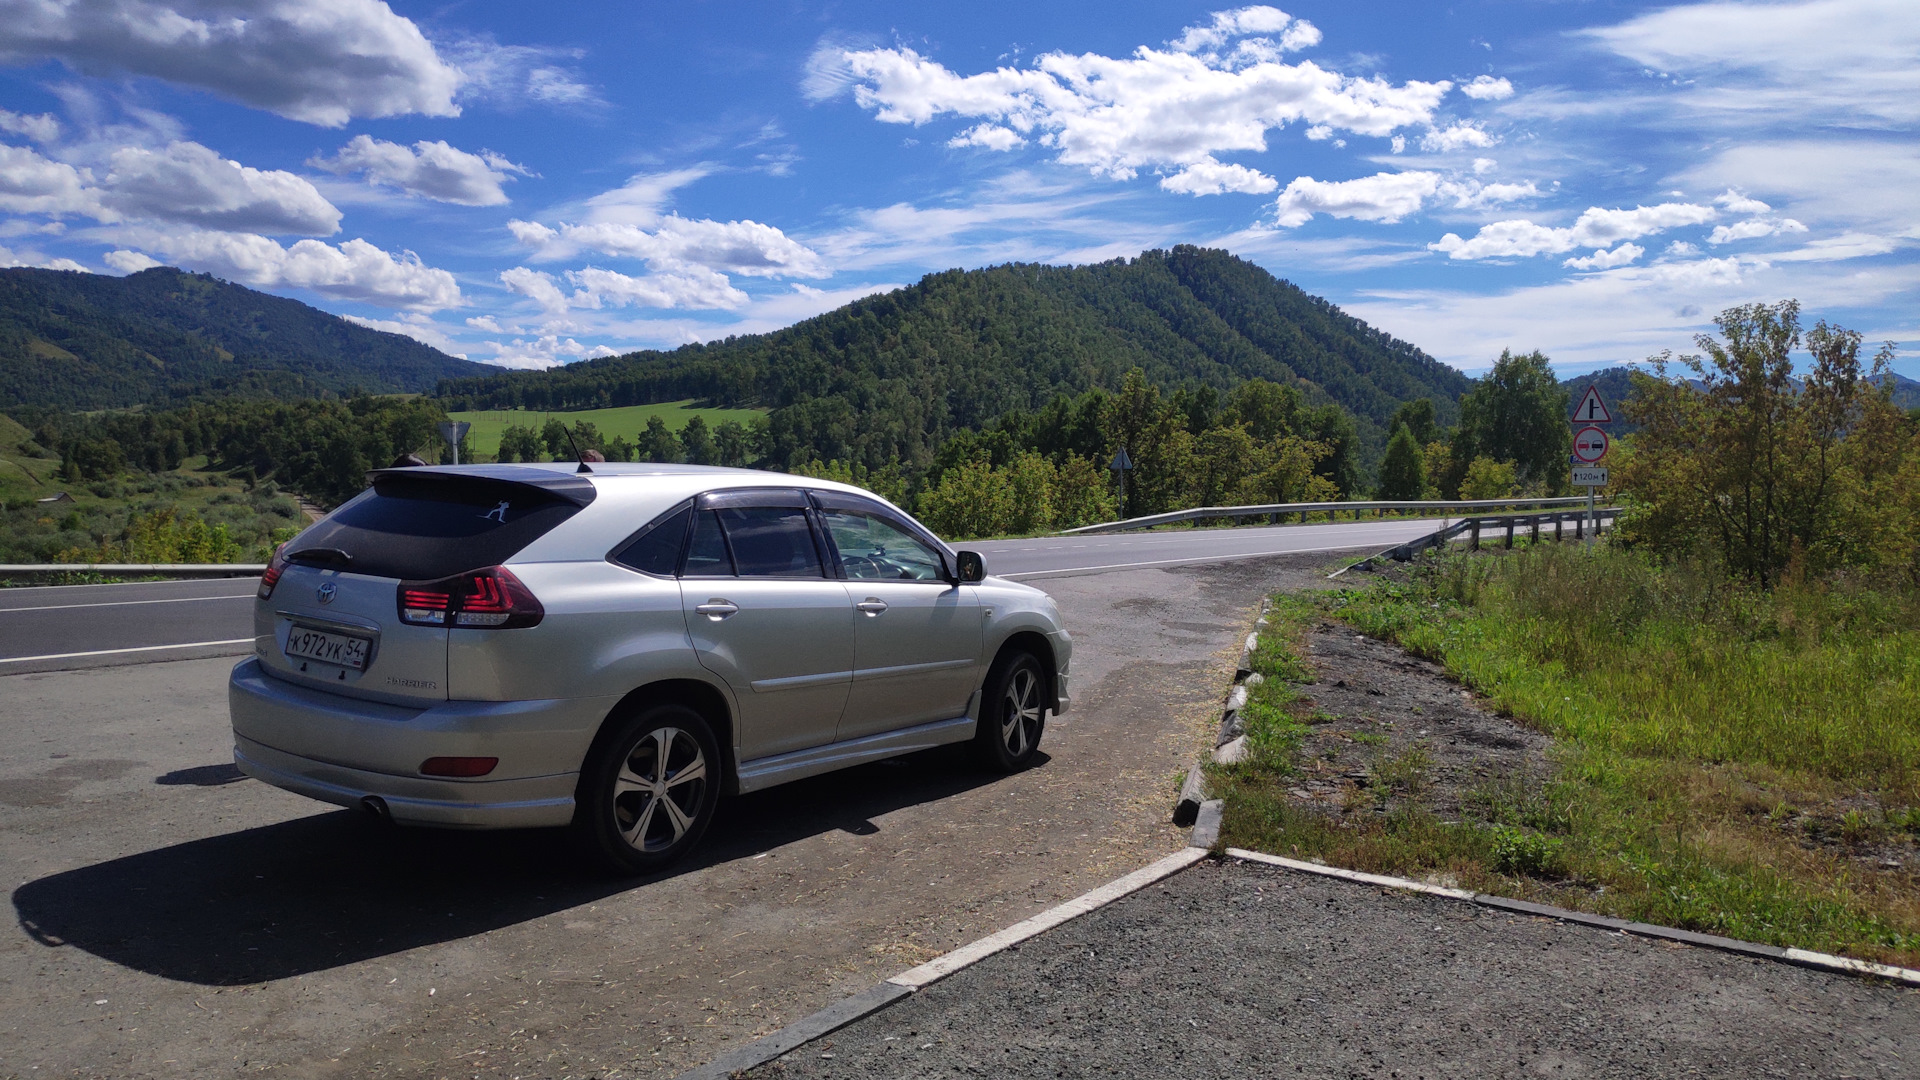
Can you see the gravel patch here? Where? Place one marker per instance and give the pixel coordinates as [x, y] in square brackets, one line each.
[1235, 969]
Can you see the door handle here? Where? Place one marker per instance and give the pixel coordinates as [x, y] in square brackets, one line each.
[717, 608]
[872, 605]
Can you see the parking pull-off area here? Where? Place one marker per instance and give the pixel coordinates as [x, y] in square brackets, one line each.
[174, 921]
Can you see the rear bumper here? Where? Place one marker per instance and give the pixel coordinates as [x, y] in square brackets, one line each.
[413, 800]
[340, 750]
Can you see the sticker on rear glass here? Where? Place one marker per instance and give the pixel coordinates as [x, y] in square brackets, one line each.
[498, 513]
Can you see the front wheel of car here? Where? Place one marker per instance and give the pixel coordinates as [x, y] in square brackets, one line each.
[650, 790]
[1013, 713]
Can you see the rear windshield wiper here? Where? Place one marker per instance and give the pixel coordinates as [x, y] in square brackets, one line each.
[327, 555]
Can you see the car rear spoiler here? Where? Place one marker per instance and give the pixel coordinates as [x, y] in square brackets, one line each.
[569, 486]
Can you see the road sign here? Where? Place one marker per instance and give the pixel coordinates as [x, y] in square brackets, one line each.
[1591, 409]
[1589, 476]
[1121, 462]
[453, 431]
[1589, 446]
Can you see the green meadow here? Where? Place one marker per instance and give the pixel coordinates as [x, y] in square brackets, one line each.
[628, 421]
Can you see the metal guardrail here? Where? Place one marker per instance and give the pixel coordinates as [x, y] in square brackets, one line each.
[1508, 525]
[1277, 510]
[170, 570]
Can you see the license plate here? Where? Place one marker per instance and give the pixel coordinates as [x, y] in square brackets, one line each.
[342, 649]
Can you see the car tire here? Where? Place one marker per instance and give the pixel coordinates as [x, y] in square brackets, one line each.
[649, 791]
[1013, 713]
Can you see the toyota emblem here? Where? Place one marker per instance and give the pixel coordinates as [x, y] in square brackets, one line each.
[325, 593]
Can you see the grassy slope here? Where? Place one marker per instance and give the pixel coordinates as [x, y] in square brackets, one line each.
[629, 421]
[1716, 773]
[33, 532]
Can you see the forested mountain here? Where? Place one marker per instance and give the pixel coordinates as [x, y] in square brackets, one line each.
[88, 341]
[891, 377]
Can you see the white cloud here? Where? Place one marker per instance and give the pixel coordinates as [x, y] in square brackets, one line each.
[1388, 197]
[130, 262]
[32, 184]
[1748, 230]
[690, 287]
[322, 63]
[1484, 165]
[37, 260]
[1157, 108]
[1753, 63]
[1606, 260]
[1596, 227]
[1210, 177]
[511, 75]
[354, 270]
[1457, 137]
[544, 351]
[1384, 197]
[1858, 183]
[191, 184]
[740, 247]
[487, 323]
[989, 137]
[433, 170]
[418, 327]
[1487, 88]
[536, 286]
[41, 127]
[1836, 248]
[1736, 203]
[1243, 24]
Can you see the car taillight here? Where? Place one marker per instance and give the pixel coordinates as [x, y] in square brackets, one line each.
[490, 599]
[275, 567]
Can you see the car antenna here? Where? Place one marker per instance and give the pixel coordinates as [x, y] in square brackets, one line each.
[577, 455]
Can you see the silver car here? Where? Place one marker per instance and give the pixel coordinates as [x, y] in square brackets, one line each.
[505, 646]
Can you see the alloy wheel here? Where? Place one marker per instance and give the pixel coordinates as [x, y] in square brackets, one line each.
[1021, 712]
[659, 789]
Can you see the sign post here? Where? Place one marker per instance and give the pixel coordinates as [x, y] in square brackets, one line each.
[1590, 446]
[453, 431]
[1120, 464]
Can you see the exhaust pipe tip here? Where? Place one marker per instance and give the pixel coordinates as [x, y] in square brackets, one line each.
[376, 807]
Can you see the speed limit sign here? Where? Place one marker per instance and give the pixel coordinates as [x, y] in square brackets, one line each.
[1589, 446]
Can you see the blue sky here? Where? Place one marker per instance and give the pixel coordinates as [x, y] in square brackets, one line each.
[534, 184]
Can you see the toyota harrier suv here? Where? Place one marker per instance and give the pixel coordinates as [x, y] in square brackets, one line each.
[495, 646]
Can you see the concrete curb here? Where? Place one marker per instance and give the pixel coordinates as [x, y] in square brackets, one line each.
[870, 1001]
[1801, 957]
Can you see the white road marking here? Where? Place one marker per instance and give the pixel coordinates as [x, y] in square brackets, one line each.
[130, 603]
[117, 652]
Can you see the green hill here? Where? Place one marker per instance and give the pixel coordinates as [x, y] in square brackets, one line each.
[893, 376]
[89, 341]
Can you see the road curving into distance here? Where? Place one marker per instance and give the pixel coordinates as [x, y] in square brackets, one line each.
[64, 627]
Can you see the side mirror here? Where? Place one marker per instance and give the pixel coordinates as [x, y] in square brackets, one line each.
[971, 566]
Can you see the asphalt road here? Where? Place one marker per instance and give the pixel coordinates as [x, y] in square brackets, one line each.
[58, 628]
[1239, 970]
[175, 920]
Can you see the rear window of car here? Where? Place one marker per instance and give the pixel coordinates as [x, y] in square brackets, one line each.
[431, 528]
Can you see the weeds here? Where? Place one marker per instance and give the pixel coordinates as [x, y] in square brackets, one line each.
[1728, 759]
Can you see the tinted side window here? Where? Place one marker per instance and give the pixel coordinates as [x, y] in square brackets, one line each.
[707, 555]
[872, 549]
[771, 541]
[657, 550]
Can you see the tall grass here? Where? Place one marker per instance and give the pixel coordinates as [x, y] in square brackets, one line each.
[1603, 647]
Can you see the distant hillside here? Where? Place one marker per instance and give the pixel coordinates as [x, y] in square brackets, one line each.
[88, 341]
[894, 375]
[1616, 384]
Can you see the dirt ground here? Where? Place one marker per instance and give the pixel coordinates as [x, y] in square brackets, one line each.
[1389, 727]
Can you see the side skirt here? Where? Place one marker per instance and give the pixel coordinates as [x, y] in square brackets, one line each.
[768, 772]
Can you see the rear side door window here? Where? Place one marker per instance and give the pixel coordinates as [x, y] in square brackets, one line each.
[771, 541]
[707, 553]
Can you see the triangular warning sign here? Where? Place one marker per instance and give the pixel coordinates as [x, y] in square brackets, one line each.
[1591, 409]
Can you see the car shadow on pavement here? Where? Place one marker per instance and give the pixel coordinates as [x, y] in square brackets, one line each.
[337, 888]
